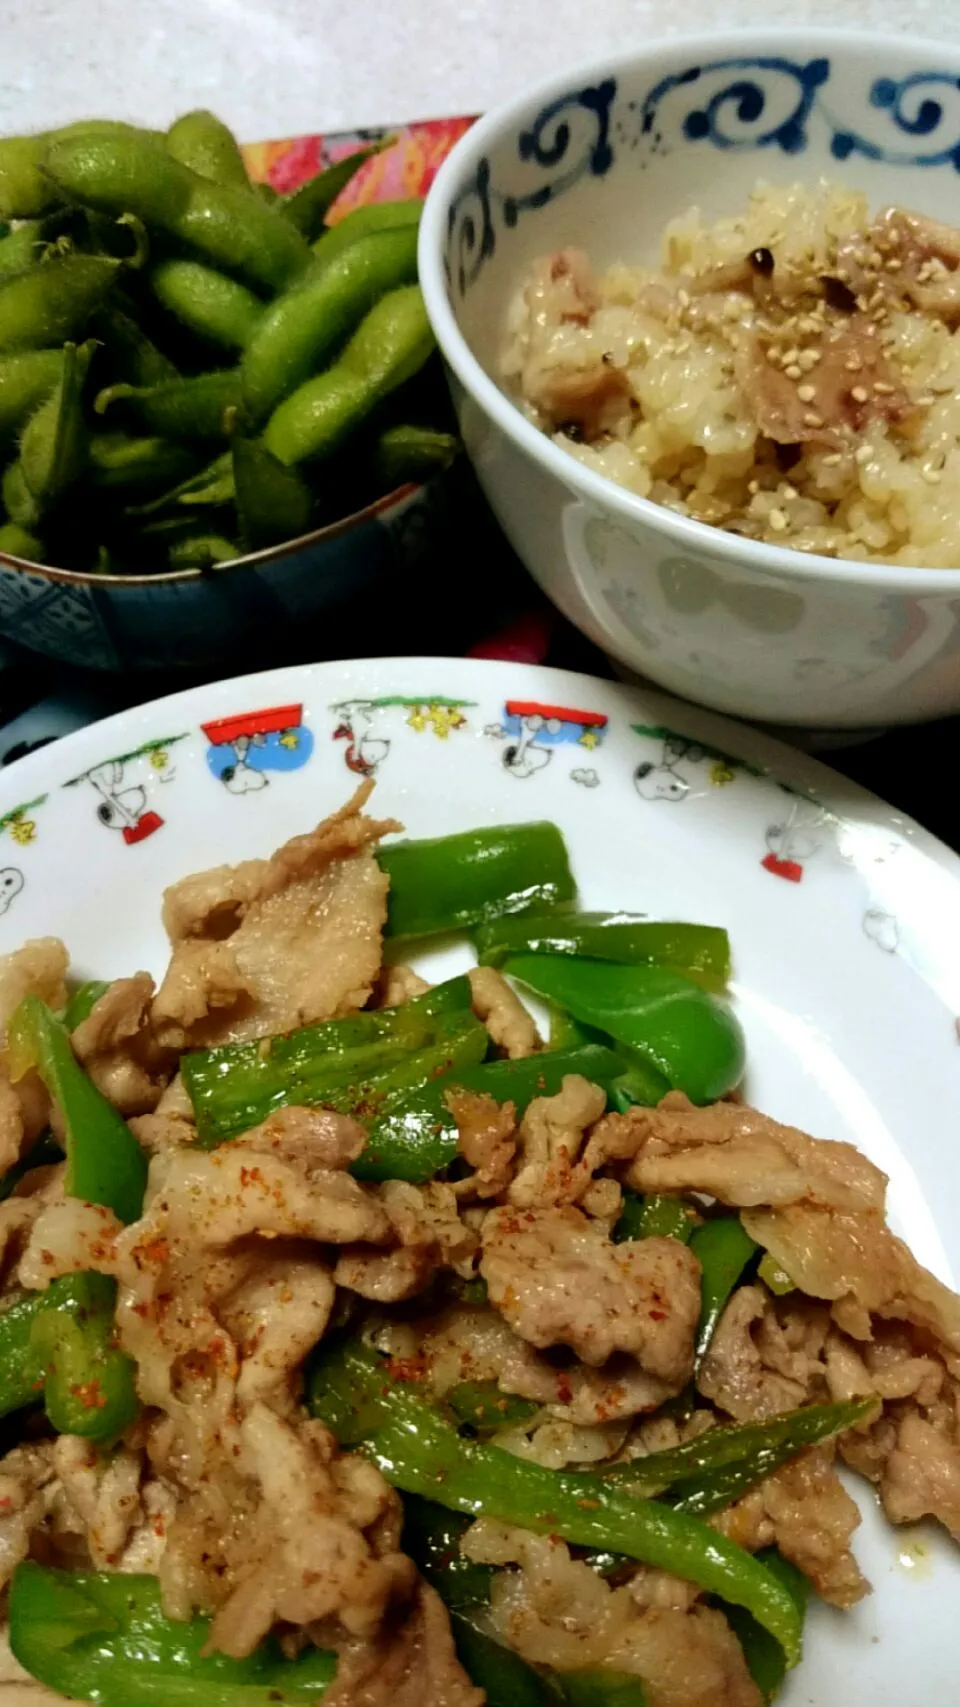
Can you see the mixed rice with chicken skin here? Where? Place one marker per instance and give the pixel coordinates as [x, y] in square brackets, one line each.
[502, 1270]
[791, 374]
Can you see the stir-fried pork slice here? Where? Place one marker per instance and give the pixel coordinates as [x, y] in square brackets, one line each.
[104, 1493]
[319, 1547]
[922, 1474]
[500, 1009]
[27, 1479]
[552, 1135]
[296, 937]
[853, 1260]
[486, 1139]
[735, 1376]
[67, 1237]
[557, 1279]
[276, 1316]
[813, 1520]
[430, 1236]
[412, 1664]
[31, 1197]
[116, 1045]
[557, 1611]
[39, 968]
[741, 1157]
[397, 985]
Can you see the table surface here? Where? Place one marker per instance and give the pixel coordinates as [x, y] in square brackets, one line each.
[285, 67]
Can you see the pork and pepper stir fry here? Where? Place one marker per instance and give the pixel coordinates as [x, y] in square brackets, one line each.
[356, 1341]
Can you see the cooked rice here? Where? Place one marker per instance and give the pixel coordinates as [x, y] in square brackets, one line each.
[791, 374]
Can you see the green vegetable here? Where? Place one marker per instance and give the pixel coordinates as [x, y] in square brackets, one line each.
[208, 303]
[361, 221]
[431, 1537]
[83, 1001]
[53, 301]
[25, 190]
[447, 882]
[724, 1463]
[723, 1248]
[237, 1086]
[59, 1345]
[390, 345]
[53, 443]
[194, 408]
[133, 356]
[102, 1636]
[662, 1018]
[482, 1405]
[25, 381]
[18, 500]
[763, 1655]
[308, 206]
[121, 462]
[105, 1164]
[415, 1138]
[203, 551]
[15, 541]
[603, 1688]
[228, 224]
[405, 454]
[656, 1217]
[21, 248]
[774, 1277]
[701, 952]
[319, 310]
[204, 143]
[351, 1390]
[506, 1679]
[273, 504]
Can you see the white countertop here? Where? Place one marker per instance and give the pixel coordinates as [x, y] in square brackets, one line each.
[277, 68]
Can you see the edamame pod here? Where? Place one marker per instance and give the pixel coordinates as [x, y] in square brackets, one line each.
[181, 408]
[25, 380]
[52, 302]
[209, 303]
[319, 311]
[389, 346]
[374, 216]
[53, 442]
[307, 207]
[230, 224]
[204, 143]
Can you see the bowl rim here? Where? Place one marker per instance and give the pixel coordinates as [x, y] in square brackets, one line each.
[250, 559]
[684, 531]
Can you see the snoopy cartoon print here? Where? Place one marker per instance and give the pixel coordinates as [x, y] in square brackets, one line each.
[663, 780]
[532, 732]
[794, 840]
[11, 883]
[244, 747]
[364, 752]
[121, 805]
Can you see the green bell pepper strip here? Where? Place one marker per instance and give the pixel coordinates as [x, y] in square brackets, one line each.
[448, 882]
[88, 1383]
[102, 1636]
[723, 1248]
[59, 1345]
[654, 1217]
[698, 1476]
[418, 1452]
[235, 1087]
[602, 1688]
[763, 1655]
[661, 1017]
[431, 1538]
[774, 1277]
[481, 1405]
[506, 1679]
[105, 1164]
[637, 1083]
[701, 952]
[418, 1137]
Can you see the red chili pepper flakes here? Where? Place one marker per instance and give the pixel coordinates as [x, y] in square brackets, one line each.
[412, 1369]
[89, 1394]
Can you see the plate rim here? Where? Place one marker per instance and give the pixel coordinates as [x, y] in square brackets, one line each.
[779, 761]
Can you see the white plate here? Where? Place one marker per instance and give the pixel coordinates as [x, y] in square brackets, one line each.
[845, 921]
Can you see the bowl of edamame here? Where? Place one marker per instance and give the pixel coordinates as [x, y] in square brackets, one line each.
[222, 415]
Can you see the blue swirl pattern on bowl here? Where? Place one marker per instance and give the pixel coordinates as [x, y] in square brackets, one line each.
[749, 102]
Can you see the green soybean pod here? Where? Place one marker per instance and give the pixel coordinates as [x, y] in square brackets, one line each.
[229, 224]
[15, 541]
[204, 143]
[52, 302]
[207, 302]
[412, 453]
[191, 408]
[25, 190]
[121, 462]
[308, 206]
[134, 356]
[202, 551]
[387, 349]
[18, 500]
[316, 314]
[20, 248]
[25, 380]
[273, 503]
[53, 443]
[375, 216]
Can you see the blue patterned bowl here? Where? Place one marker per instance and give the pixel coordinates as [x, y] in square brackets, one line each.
[602, 162]
[288, 602]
